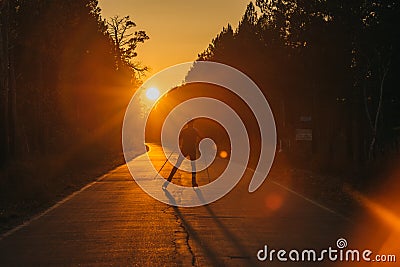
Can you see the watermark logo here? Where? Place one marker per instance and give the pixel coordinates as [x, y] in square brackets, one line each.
[339, 254]
[137, 115]
[341, 243]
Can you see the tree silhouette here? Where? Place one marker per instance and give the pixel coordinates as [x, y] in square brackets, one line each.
[126, 42]
[331, 60]
[62, 101]
[48, 76]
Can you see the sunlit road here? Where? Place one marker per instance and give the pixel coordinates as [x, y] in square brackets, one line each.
[114, 223]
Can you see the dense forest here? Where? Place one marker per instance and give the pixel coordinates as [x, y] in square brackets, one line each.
[66, 77]
[329, 67]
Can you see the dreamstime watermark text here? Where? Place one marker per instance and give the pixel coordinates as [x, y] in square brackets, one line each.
[339, 253]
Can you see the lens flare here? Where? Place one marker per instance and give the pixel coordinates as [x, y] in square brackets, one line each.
[223, 154]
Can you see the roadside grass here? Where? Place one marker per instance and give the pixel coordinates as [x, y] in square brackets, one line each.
[325, 188]
[333, 188]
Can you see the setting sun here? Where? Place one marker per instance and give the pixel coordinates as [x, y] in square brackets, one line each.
[152, 93]
[204, 132]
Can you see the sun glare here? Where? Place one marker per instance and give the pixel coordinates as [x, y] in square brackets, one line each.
[152, 93]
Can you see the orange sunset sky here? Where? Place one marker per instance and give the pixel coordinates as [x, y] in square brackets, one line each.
[179, 30]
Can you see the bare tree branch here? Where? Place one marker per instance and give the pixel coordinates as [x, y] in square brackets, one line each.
[126, 41]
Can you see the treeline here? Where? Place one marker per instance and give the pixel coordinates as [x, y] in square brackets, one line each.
[60, 80]
[65, 82]
[330, 66]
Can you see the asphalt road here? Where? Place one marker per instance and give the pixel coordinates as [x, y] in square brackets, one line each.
[112, 222]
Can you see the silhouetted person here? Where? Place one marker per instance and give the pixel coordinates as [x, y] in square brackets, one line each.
[188, 143]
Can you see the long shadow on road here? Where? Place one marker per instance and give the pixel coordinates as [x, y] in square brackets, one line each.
[227, 233]
[208, 251]
[193, 234]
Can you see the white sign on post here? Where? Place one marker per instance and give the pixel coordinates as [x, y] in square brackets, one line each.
[304, 135]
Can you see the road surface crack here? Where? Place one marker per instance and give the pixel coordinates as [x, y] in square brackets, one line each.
[182, 236]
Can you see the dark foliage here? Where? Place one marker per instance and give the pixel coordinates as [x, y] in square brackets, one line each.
[62, 100]
[334, 62]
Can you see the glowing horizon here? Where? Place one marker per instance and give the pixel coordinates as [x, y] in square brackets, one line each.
[178, 32]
